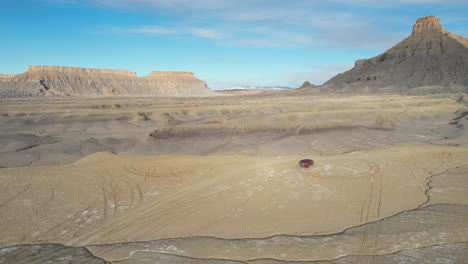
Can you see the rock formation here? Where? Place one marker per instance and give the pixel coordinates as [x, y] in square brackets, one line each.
[306, 84]
[72, 81]
[431, 60]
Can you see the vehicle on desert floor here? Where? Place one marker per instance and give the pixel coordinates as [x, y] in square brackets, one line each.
[306, 163]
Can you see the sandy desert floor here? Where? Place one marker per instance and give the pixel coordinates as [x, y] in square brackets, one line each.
[216, 180]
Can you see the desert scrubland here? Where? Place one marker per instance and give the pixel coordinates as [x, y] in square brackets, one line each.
[216, 180]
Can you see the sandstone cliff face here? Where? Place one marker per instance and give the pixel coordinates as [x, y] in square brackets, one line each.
[72, 81]
[431, 60]
[428, 24]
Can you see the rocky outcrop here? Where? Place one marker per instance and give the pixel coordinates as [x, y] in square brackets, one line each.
[431, 60]
[306, 84]
[73, 81]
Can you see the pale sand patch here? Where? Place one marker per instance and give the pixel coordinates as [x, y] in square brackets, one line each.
[107, 198]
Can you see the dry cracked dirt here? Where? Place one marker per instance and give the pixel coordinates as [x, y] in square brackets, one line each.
[216, 180]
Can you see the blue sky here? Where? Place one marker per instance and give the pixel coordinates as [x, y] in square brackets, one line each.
[225, 43]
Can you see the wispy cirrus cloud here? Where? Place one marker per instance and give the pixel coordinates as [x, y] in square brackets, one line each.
[246, 5]
[159, 30]
[398, 3]
[283, 23]
[158, 6]
[153, 30]
[206, 33]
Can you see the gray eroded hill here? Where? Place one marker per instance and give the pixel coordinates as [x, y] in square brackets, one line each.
[431, 60]
[71, 81]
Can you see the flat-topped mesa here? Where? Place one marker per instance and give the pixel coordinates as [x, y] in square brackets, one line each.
[170, 73]
[73, 81]
[428, 24]
[80, 70]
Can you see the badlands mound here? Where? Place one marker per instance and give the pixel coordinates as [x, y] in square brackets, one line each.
[431, 60]
[72, 81]
[57, 131]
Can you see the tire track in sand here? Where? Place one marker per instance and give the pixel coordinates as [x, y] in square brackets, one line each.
[164, 211]
[370, 212]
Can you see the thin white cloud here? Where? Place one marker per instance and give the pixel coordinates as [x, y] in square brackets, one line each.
[360, 35]
[154, 30]
[170, 5]
[242, 8]
[270, 37]
[158, 30]
[206, 33]
[66, 2]
[261, 43]
[275, 23]
[398, 3]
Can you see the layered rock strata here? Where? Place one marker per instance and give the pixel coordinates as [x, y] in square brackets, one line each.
[73, 81]
[431, 60]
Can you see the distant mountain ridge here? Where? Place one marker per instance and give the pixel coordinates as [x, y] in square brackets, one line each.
[259, 87]
[430, 60]
[46, 81]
